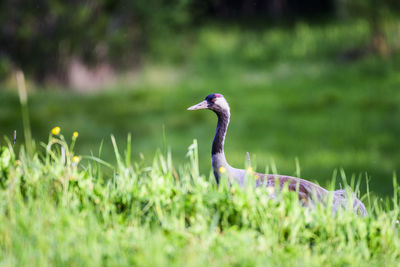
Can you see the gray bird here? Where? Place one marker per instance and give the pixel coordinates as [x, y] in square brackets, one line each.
[308, 192]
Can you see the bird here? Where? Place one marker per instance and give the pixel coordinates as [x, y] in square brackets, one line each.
[309, 193]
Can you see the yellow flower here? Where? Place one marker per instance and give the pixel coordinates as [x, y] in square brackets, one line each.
[56, 130]
[75, 134]
[222, 169]
[76, 159]
[249, 169]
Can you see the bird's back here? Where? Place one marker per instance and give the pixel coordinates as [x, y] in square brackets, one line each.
[309, 192]
[306, 190]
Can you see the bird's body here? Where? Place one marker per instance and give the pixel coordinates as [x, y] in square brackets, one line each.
[308, 192]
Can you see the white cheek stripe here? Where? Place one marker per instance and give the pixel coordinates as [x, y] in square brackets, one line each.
[222, 103]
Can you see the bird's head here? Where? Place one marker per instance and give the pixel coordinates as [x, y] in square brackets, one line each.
[214, 102]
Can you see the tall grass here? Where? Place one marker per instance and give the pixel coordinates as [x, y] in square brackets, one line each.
[23, 98]
[64, 212]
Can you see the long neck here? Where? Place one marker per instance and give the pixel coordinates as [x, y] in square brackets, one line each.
[219, 138]
[218, 159]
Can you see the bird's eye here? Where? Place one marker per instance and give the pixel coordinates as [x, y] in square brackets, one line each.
[213, 99]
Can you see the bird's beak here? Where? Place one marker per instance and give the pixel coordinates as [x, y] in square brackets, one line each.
[201, 105]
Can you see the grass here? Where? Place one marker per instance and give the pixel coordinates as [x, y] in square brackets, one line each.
[55, 211]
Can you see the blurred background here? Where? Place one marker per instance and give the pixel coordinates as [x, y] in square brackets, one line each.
[313, 80]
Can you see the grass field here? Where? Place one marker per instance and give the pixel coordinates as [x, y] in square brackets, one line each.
[71, 214]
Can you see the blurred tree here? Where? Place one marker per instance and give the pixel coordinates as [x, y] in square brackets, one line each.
[375, 12]
[267, 10]
[42, 36]
[38, 36]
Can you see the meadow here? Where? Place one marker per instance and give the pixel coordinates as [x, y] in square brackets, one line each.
[55, 210]
[130, 192]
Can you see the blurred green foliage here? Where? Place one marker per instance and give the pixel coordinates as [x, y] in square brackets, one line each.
[370, 9]
[376, 13]
[42, 36]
